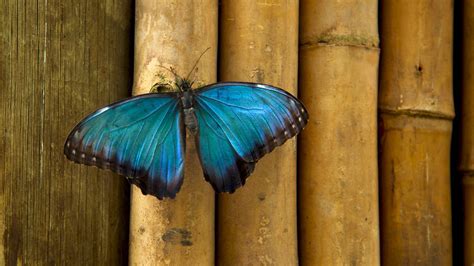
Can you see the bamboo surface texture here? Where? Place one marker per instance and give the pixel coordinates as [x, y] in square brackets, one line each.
[416, 107]
[466, 164]
[59, 60]
[180, 231]
[337, 190]
[257, 224]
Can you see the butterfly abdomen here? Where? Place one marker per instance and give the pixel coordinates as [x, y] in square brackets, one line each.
[190, 119]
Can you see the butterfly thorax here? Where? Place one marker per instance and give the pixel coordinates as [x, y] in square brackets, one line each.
[190, 119]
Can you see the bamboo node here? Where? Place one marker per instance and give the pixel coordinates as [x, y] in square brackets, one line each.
[417, 113]
[342, 37]
[468, 178]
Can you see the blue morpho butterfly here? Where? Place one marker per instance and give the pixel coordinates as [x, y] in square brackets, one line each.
[143, 137]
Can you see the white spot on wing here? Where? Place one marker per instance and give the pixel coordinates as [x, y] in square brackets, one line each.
[102, 110]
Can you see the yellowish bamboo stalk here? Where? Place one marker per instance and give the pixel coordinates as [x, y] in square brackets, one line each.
[416, 107]
[58, 62]
[466, 164]
[337, 189]
[180, 231]
[257, 224]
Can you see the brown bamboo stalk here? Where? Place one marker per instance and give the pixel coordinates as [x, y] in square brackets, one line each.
[257, 224]
[59, 60]
[466, 164]
[338, 196]
[180, 231]
[416, 107]
[468, 191]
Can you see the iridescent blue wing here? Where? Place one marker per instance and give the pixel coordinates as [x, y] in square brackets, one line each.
[141, 137]
[238, 124]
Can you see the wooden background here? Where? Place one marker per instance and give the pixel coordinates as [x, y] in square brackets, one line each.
[383, 173]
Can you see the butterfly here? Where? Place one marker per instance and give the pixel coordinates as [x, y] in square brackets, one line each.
[143, 137]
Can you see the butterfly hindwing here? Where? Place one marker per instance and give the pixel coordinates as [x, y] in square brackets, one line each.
[141, 137]
[222, 166]
[238, 124]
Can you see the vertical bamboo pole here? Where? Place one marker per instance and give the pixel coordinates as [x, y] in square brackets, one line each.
[338, 195]
[59, 60]
[173, 33]
[466, 164]
[416, 107]
[257, 224]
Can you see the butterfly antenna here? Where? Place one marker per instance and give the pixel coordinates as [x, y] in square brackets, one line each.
[170, 70]
[197, 61]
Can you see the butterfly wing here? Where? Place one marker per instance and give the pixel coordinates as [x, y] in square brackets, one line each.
[141, 137]
[222, 166]
[238, 124]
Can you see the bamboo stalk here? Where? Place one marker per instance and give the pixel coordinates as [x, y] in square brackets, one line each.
[338, 196]
[468, 191]
[257, 224]
[180, 231]
[416, 107]
[466, 164]
[59, 60]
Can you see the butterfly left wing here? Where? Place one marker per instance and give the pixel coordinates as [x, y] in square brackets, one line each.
[141, 137]
[238, 124]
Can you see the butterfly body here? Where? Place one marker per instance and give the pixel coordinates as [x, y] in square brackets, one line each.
[234, 124]
[190, 120]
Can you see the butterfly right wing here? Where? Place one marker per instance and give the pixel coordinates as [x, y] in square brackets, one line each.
[141, 137]
[238, 124]
[223, 167]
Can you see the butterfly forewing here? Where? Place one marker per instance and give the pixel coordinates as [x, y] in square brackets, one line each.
[242, 122]
[141, 137]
